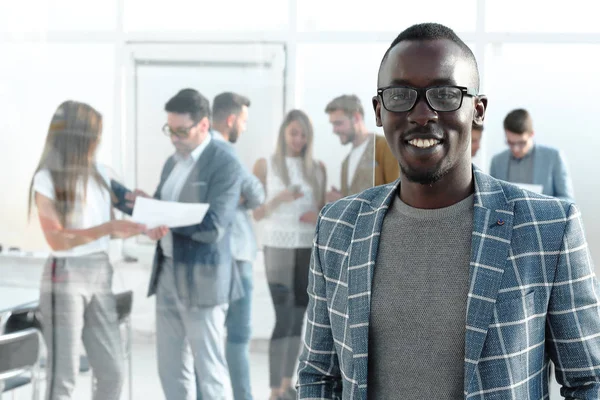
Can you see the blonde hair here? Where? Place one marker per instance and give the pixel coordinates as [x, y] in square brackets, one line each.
[310, 168]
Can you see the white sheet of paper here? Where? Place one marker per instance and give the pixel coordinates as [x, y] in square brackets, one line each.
[153, 213]
[532, 188]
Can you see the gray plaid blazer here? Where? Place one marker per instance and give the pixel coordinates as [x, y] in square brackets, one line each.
[533, 297]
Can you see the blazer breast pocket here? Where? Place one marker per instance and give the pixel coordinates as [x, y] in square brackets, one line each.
[514, 309]
[195, 192]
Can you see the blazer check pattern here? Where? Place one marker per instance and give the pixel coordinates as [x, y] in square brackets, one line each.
[533, 297]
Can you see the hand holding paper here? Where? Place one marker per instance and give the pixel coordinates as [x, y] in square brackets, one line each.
[158, 232]
[154, 213]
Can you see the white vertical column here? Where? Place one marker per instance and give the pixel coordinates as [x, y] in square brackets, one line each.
[480, 43]
[118, 134]
[291, 45]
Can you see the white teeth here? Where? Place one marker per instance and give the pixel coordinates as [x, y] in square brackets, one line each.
[424, 143]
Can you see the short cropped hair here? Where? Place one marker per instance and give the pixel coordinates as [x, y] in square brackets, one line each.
[228, 103]
[433, 31]
[348, 103]
[518, 121]
[189, 101]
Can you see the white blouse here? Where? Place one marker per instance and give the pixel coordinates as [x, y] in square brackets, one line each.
[283, 228]
[95, 210]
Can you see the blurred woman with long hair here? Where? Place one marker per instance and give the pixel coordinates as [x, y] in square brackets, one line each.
[74, 202]
[295, 186]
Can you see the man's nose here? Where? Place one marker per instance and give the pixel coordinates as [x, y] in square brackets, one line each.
[422, 113]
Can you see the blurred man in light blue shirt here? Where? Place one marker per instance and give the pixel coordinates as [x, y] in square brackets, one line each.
[230, 113]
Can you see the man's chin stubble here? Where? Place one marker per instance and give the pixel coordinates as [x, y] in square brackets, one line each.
[424, 178]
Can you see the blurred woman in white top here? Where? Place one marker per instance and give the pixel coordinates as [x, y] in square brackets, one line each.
[74, 202]
[295, 187]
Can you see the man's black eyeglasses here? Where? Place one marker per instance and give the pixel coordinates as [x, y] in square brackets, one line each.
[439, 98]
[181, 133]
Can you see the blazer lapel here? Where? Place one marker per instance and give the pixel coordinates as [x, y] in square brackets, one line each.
[490, 243]
[362, 256]
[540, 168]
[364, 176]
[344, 183]
[169, 165]
[504, 166]
[199, 168]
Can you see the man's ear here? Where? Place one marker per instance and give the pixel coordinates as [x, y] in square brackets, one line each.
[480, 109]
[377, 109]
[230, 120]
[204, 124]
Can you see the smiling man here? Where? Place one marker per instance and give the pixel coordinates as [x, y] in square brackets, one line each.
[451, 284]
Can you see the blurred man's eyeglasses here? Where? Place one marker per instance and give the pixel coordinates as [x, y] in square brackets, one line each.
[181, 133]
[517, 145]
[439, 98]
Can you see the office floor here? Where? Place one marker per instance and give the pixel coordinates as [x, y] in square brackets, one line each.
[25, 272]
[146, 385]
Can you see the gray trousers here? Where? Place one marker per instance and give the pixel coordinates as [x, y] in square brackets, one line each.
[190, 345]
[76, 302]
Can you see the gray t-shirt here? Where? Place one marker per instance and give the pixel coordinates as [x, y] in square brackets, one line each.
[418, 303]
[520, 170]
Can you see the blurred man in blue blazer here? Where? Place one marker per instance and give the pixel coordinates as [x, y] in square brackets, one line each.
[530, 163]
[193, 273]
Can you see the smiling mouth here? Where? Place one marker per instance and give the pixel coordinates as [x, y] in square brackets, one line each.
[424, 143]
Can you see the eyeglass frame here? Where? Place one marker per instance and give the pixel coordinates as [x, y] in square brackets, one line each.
[166, 129]
[517, 145]
[422, 93]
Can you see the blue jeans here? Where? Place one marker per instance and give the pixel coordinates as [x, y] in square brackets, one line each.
[239, 324]
[239, 331]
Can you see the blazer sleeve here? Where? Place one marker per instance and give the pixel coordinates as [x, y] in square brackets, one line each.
[119, 202]
[319, 375]
[253, 190]
[573, 319]
[391, 168]
[224, 190]
[563, 186]
[119, 190]
[494, 167]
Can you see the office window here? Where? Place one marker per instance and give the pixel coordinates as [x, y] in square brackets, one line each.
[217, 16]
[383, 15]
[575, 16]
[60, 15]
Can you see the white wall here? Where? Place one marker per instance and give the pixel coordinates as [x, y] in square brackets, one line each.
[326, 71]
[34, 79]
